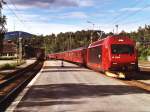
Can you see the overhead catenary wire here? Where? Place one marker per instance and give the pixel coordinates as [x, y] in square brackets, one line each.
[16, 15]
[122, 17]
[138, 11]
[119, 17]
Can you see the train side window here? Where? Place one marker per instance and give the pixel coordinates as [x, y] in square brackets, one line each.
[95, 55]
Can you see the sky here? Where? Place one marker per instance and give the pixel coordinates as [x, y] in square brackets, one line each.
[55, 16]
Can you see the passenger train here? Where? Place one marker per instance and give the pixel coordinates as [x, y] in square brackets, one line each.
[112, 55]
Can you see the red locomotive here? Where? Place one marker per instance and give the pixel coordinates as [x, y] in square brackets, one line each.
[114, 53]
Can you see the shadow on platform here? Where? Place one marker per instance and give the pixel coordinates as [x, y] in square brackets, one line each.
[52, 67]
[68, 94]
[66, 70]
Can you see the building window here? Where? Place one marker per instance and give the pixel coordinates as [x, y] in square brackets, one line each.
[11, 54]
[4, 54]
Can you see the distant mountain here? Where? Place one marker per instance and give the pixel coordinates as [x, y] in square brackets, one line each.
[15, 34]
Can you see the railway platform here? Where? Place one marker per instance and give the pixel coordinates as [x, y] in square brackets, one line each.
[144, 65]
[75, 89]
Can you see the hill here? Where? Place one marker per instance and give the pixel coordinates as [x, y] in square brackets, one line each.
[15, 34]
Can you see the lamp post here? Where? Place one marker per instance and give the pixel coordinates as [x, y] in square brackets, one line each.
[92, 31]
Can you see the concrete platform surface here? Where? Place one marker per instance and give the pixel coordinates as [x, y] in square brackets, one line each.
[75, 89]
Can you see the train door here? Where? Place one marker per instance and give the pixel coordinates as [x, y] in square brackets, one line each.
[84, 56]
[95, 57]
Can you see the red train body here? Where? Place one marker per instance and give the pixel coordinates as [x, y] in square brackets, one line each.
[114, 53]
[76, 56]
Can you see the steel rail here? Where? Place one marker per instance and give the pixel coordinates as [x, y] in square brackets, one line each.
[23, 79]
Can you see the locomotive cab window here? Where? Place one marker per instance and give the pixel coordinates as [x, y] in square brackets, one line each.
[122, 49]
[95, 55]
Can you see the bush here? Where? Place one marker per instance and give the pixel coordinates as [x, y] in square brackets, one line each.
[11, 65]
[8, 66]
[143, 52]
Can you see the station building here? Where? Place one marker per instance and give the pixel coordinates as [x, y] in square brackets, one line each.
[9, 49]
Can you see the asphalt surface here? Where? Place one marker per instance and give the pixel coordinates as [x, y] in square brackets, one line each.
[74, 89]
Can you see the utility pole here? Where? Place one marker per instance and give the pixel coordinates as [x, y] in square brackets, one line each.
[20, 47]
[113, 31]
[70, 41]
[14, 25]
[45, 51]
[117, 29]
[92, 32]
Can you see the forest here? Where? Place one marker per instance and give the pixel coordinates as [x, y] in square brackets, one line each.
[72, 40]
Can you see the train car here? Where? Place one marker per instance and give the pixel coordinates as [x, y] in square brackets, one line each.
[40, 54]
[76, 56]
[114, 53]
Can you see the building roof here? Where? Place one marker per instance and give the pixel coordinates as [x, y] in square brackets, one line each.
[9, 47]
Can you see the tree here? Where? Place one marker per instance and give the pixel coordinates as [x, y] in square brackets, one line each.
[2, 25]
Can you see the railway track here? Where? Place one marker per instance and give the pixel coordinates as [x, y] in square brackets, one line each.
[138, 84]
[136, 79]
[11, 86]
[140, 80]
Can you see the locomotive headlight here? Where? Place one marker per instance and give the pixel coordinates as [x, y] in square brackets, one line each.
[120, 40]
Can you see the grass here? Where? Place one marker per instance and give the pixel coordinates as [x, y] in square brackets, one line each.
[8, 66]
[11, 65]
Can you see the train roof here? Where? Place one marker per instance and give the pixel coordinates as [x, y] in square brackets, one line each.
[80, 48]
[77, 49]
[110, 38]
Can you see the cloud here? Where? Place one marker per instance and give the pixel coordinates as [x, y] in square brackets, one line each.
[74, 15]
[48, 28]
[135, 9]
[39, 26]
[52, 3]
[85, 3]
[56, 28]
[130, 9]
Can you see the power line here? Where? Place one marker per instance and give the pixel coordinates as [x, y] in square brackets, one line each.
[139, 11]
[14, 13]
[13, 4]
[123, 15]
[126, 15]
